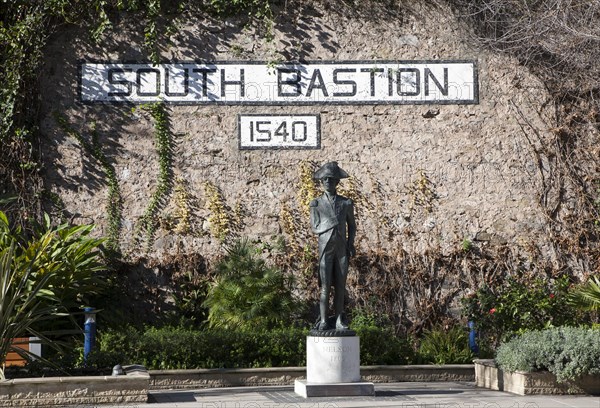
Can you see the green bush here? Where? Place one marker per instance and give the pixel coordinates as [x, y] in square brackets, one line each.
[23, 303]
[441, 346]
[520, 304]
[44, 276]
[567, 352]
[247, 293]
[378, 343]
[381, 346]
[185, 348]
[68, 254]
[181, 348]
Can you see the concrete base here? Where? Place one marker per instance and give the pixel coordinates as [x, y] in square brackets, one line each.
[332, 360]
[333, 368]
[354, 389]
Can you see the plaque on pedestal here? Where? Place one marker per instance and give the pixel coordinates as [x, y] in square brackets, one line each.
[333, 368]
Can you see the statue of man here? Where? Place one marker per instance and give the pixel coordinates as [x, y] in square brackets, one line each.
[332, 219]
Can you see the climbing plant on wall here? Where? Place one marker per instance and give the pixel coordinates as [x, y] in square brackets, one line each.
[566, 59]
[114, 202]
[25, 27]
[164, 148]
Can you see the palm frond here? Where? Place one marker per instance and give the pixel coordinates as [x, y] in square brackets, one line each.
[247, 292]
[21, 305]
[587, 296]
[40, 277]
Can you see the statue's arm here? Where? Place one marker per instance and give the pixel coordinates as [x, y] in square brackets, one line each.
[315, 219]
[351, 228]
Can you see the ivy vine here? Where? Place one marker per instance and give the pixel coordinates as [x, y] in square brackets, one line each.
[164, 144]
[25, 27]
[151, 30]
[114, 203]
[164, 147]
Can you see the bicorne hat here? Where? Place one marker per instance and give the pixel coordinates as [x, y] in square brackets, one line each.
[332, 170]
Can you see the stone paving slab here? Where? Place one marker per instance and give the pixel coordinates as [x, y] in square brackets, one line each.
[406, 395]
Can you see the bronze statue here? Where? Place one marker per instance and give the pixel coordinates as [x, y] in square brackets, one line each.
[332, 219]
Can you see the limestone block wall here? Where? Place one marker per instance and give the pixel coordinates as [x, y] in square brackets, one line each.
[79, 391]
[430, 175]
[216, 378]
[487, 375]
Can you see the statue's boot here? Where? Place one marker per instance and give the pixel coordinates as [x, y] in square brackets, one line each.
[340, 324]
[324, 326]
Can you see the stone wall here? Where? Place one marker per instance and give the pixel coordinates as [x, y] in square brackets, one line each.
[431, 175]
[488, 375]
[80, 391]
[214, 378]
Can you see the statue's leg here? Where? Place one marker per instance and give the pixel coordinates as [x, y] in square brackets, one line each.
[326, 270]
[341, 272]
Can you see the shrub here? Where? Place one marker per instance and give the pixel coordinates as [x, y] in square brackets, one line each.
[23, 304]
[67, 253]
[378, 343]
[382, 346]
[516, 305]
[42, 277]
[441, 346]
[181, 348]
[247, 293]
[567, 352]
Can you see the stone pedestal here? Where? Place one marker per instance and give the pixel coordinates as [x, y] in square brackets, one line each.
[332, 368]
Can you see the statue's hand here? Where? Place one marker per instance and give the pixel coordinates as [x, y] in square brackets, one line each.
[351, 250]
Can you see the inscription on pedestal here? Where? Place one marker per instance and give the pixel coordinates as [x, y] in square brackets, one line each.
[332, 359]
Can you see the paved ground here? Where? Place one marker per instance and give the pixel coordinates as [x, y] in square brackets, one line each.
[406, 394]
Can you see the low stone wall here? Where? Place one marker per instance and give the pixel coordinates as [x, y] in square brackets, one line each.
[134, 386]
[214, 378]
[487, 375]
[52, 391]
[411, 373]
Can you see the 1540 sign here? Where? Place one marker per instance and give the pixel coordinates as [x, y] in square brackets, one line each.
[279, 132]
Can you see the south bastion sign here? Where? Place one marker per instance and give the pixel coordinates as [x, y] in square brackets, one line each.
[261, 83]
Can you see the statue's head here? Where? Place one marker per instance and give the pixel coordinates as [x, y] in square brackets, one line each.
[331, 170]
[330, 184]
[330, 175]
